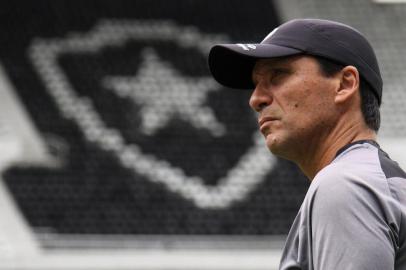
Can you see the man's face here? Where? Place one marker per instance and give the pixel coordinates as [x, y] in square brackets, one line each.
[295, 104]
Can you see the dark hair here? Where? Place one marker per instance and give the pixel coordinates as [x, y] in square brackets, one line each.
[369, 102]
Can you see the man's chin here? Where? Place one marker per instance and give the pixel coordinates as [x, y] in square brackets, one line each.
[272, 143]
[277, 147]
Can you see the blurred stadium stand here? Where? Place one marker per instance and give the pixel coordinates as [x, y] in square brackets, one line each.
[120, 152]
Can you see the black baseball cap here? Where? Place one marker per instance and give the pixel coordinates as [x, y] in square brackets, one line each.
[231, 64]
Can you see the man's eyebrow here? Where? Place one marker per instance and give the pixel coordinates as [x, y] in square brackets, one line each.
[270, 68]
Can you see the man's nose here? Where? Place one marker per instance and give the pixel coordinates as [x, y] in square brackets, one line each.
[260, 99]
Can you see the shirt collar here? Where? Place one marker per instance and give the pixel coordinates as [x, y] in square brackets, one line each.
[342, 149]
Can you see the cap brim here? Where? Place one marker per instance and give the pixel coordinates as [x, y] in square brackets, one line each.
[231, 64]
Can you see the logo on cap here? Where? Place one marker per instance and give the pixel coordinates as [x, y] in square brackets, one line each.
[247, 47]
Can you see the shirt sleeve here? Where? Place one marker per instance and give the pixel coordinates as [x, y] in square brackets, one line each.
[349, 227]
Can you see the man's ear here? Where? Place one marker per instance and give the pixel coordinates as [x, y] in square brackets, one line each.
[349, 84]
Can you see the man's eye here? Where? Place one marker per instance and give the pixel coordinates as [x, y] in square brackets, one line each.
[278, 72]
[277, 75]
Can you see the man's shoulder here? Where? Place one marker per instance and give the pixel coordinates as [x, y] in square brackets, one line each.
[357, 162]
[363, 173]
[363, 162]
[356, 169]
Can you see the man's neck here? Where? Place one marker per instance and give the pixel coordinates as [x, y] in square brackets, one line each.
[328, 147]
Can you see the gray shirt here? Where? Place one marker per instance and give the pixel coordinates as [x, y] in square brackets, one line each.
[353, 215]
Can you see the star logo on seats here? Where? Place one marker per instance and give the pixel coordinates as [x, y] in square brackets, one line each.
[163, 94]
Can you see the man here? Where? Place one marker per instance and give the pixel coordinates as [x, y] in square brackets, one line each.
[317, 89]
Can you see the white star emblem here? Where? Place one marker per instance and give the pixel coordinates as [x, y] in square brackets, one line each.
[173, 95]
[163, 93]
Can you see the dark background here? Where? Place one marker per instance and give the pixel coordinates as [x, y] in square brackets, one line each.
[92, 193]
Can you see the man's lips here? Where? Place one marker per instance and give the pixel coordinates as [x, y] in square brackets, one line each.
[263, 120]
